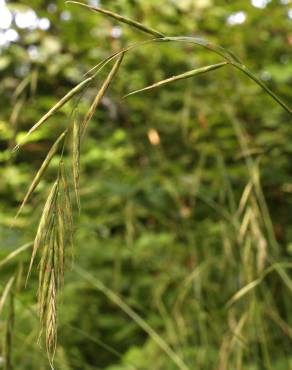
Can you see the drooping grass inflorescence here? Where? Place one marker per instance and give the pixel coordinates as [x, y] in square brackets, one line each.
[55, 228]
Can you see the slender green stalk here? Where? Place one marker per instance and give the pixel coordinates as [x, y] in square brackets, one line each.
[226, 54]
[234, 61]
[246, 71]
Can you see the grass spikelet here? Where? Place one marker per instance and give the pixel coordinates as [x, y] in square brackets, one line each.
[51, 323]
[43, 272]
[56, 107]
[41, 171]
[101, 92]
[76, 158]
[66, 203]
[182, 76]
[65, 191]
[120, 18]
[44, 223]
[61, 232]
[55, 248]
[44, 283]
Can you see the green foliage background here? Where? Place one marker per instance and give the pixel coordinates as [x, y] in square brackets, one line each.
[161, 225]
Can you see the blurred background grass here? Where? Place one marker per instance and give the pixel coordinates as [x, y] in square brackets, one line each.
[186, 198]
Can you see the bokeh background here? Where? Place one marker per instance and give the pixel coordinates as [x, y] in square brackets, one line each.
[186, 191]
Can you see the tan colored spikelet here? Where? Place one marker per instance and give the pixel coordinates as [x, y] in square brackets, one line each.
[45, 261]
[66, 204]
[61, 242]
[76, 158]
[43, 268]
[56, 107]
[56, 261]
[65, 193]
[43, 297]
[51, 322]
[101, 93]
[41, 171]
[43, 225]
